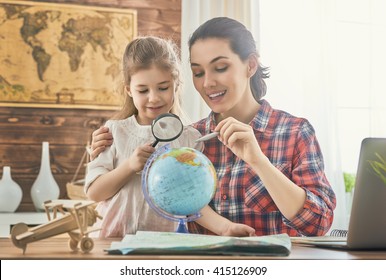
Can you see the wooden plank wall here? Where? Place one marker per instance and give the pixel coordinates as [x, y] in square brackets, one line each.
[22, 130]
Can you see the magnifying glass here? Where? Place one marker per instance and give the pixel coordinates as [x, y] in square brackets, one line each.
[166, 127]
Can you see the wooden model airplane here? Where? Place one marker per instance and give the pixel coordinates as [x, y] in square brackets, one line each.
[76, 219]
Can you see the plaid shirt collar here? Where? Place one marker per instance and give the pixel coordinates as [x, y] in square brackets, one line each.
[259, 122]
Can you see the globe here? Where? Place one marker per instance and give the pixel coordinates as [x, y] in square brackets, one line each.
[178, 182]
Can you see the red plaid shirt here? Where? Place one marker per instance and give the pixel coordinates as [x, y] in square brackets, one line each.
[291, 145]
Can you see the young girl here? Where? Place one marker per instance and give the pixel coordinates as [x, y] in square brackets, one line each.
[151, 81]
[269, 164]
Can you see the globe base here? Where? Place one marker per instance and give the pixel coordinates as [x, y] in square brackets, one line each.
[182, 228]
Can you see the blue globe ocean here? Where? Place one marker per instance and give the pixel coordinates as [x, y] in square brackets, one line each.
[180, 182]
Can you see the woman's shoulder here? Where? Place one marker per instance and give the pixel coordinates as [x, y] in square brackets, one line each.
[288, 117]
[278, 115]
[282, 121]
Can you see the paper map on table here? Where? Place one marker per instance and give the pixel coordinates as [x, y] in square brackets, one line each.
[149, 242]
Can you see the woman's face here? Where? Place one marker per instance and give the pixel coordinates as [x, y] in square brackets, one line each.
[152, 91]
[220, 76]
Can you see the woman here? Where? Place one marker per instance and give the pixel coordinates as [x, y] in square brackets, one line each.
[269, 164]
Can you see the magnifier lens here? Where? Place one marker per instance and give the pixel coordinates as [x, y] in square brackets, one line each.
[167, 127]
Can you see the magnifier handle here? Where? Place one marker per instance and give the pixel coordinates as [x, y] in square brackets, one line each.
[154, 143]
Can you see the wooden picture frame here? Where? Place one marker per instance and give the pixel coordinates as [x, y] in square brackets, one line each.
[62, 56]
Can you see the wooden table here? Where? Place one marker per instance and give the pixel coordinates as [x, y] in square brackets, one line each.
[56, 248]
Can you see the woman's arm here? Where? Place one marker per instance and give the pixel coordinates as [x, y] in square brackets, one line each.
[306, 200]
[240, 138]
[100, 139]
[222, 226]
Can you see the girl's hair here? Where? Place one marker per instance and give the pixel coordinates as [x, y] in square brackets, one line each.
[241, 42]
[141, 54]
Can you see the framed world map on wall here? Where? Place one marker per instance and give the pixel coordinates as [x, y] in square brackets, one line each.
[59, 55]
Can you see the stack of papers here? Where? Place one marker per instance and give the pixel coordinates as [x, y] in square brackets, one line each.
[149, 242]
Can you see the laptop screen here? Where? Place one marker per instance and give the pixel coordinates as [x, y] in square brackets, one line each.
[367, 226]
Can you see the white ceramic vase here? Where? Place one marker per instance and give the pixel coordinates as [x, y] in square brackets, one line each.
[10, 192]
[45, 187]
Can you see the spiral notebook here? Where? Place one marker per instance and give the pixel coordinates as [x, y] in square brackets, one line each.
[367, 226]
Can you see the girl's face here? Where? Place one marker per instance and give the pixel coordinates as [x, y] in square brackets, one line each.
[152, 91]
[220, 76]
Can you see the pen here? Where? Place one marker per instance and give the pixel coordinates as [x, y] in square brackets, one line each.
[207, 137]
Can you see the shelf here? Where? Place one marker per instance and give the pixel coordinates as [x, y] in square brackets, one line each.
[7, 220]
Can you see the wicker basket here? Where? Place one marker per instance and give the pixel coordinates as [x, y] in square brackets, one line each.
[75, 190]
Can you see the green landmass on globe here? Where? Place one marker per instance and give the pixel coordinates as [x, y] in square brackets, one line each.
[180, 182]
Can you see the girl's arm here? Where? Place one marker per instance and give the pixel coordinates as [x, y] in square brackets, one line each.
[222, 226]
[108, 184]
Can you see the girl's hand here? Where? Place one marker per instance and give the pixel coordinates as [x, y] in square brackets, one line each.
[101, 138]
[139, 157]
[240, 138]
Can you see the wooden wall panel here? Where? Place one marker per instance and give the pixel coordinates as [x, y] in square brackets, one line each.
[155, 17]
[22, 130]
